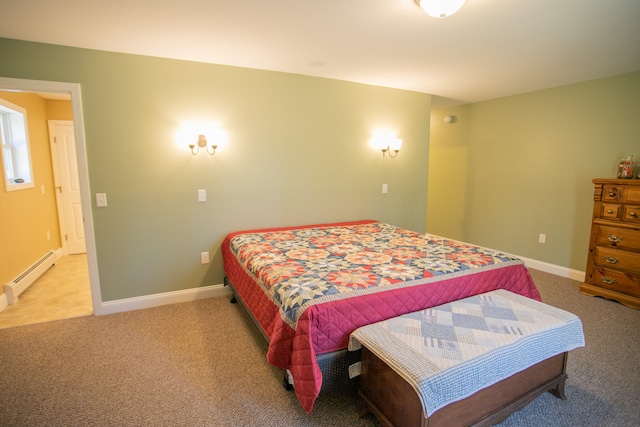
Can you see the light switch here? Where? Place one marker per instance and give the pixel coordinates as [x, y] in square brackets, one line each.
[385, 189]
[101, 200]
[202, 196]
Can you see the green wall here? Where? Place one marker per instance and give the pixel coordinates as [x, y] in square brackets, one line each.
[298, 153]
[509, 169]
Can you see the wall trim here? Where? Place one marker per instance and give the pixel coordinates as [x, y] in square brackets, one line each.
[554, 269]
[156, 300]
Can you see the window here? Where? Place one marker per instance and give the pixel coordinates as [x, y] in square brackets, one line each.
[16, 157]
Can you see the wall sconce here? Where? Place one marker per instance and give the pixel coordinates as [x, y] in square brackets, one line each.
[202, 143]
[387, 143]
[395, 145]
[201, 136]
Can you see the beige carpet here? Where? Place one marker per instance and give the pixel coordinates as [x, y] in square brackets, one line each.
[203, 363]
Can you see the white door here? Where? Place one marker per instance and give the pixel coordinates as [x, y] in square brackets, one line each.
[65, 176]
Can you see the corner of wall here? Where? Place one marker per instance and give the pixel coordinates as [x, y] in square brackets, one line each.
[3, 302]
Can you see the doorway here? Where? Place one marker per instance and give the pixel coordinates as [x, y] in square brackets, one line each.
[64, 164]
[82, 204]
[63, 291]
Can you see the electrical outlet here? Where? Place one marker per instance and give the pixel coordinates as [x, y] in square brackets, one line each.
[542, 238]
[204, 257]
[385, 188]
[202, 196]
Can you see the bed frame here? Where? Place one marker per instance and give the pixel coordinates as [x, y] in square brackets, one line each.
[334, 365]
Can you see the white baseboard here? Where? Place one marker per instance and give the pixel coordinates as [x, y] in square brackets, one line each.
[148, 301]
[3, 302]
[554, 269]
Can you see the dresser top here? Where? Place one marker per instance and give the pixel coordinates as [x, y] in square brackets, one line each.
[616, 181]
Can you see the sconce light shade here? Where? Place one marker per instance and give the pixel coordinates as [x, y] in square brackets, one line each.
[440, 8]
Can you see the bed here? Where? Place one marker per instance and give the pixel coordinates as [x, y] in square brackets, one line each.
[308, 287]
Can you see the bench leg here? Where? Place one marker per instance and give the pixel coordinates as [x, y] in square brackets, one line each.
[558, 390]
[362, 409]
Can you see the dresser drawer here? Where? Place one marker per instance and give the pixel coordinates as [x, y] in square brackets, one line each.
[616, 281]
[617, 259]
[631, 213]
[632, 195]
[616, 237]
[621, 193]
[610, 211]
[612, 193]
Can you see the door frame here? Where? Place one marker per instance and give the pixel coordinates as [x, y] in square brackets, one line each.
[72, 89]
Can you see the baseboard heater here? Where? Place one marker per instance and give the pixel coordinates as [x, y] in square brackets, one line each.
[25, 279]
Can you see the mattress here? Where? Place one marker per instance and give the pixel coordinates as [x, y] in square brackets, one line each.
[310, 287]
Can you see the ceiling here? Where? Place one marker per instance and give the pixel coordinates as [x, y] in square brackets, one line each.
[489, 49]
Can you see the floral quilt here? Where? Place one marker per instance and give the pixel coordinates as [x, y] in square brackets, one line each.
[300, 267]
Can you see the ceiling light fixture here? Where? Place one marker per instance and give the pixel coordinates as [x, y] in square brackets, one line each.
[440, 8]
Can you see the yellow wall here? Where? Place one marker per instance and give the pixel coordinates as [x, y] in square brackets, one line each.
[448, 173]
[27, 215]
[526, 165]
[58, 109]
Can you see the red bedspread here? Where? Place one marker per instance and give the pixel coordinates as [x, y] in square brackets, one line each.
[310, 287]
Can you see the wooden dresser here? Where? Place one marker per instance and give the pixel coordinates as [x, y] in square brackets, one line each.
[613, 265]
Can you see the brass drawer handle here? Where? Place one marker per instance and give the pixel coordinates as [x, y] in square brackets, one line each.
[614, 193]
[608, 280]
[611, 260]
[609, 211]
[633, 214]
[614, 239]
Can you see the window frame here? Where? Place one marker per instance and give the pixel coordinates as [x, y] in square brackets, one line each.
[10, 118]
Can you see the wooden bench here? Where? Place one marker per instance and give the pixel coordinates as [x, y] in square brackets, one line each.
[470, 362]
